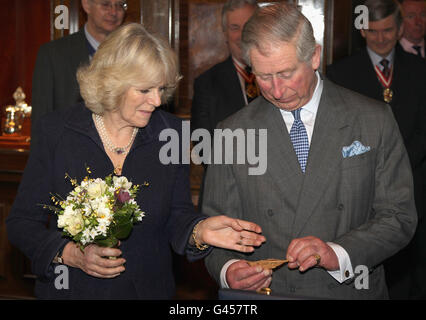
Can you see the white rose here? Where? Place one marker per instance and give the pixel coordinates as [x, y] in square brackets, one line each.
[62, 221]
[96, 189]
[121, 182]
[75, 224]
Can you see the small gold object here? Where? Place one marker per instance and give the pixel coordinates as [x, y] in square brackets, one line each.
[387, 95]
[117, 170]
[15, 115]
[268, 263]
[199, 246]
[265, 291]
[317, 258]
[251, 90]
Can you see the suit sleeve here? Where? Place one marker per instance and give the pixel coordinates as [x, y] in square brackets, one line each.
[201, 104]
[393, 217]
[416, 144]
[42, 90]
[221, 196]
[27, 222]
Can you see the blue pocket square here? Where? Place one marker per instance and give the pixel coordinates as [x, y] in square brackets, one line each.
[356, 148]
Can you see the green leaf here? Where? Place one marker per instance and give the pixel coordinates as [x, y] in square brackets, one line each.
[122, 230]
[110, 242]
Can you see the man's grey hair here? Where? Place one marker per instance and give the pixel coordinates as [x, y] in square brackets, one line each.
[381, 9]
[231, 5]
[279, 22]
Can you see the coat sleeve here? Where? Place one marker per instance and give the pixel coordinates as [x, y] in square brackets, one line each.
[201, 104]
[222, 195]
[183, 216]
[27, 222]
[43, 86]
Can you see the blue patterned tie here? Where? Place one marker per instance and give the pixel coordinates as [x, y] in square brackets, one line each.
[299, 138]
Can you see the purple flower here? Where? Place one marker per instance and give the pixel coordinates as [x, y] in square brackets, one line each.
[122, 196]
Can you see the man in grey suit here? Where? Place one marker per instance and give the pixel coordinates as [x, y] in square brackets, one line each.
[54, 78]
[337, 195]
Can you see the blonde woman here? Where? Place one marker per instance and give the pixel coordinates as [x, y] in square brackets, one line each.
[117, 130]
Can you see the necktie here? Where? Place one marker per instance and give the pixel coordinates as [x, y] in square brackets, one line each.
[418, 49]
[386, 69]
[90, 49]
[299, 138]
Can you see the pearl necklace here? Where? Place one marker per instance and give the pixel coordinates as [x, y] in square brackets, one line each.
[105, 138]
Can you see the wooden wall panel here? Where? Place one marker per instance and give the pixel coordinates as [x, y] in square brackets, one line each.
[24, 26]
[7, 52]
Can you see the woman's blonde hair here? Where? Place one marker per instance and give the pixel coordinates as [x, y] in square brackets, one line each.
[129, 56]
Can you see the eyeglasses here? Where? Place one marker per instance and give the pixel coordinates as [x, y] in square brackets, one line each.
[108, 5]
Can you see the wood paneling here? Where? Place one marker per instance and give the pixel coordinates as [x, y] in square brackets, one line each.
[341, 29]
[14, 267]
[24, 26]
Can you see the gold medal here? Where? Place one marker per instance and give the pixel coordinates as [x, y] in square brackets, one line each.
[387, 95]
[386, 83]
[251, 90]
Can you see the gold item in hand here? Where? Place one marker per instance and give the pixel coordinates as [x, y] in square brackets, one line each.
[268, 263]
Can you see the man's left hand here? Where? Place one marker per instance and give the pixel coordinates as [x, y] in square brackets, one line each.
[308, 252]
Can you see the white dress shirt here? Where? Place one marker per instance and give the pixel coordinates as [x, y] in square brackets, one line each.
[92, 41]
[308, 116]
[242, 80]
[408, 46]
[375, 58]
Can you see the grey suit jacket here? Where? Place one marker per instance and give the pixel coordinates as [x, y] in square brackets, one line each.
[54, 79]
[363, 203]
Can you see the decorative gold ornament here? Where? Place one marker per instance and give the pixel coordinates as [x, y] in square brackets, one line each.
[15, 115]
[387, 95]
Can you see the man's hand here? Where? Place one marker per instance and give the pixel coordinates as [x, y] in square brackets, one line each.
[308, 252]
[241, 276]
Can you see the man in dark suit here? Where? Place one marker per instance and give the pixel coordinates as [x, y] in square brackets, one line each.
[401, 84]
[54, 78]
[227, 86]
[221, 90]
[337, 194]
[413, 39]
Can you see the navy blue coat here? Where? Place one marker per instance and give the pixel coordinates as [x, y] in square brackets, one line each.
[67, 142]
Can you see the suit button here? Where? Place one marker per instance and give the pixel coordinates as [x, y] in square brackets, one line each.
[341, 206]
[270, 212]
[347, 273]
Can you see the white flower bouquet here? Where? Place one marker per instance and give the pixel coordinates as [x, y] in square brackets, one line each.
[98, 211]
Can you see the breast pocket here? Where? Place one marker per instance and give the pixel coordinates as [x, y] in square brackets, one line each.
[361, 160]
[358, 185]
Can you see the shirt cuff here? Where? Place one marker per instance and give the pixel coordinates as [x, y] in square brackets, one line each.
[223, 282]
[345, 271]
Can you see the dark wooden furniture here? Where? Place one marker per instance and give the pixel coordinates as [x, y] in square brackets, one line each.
[16, 280]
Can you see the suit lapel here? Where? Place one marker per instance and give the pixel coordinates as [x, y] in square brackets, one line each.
[283, 166]
[324, 154]
[369, 80]
[80, 54]
[231, 84]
